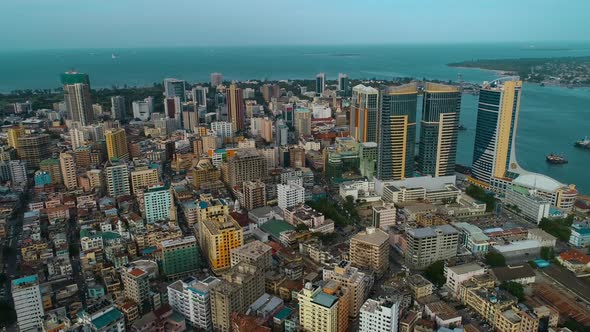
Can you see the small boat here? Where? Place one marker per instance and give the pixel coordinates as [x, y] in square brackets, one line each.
[584, 143]
[556, 159]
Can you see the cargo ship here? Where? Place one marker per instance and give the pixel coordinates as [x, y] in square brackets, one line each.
[556, 159]
[584, 144]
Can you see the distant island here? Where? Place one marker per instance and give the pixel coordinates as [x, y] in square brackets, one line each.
[562, 71]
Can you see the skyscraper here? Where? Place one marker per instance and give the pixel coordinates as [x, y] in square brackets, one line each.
[78, 102]
[13, 134]
[118, 108]
[363, 113]
[220, 235]
[172, 107]
[497, 119]
[174, 88]
[302, 122]
[254, 195]
[343, 84]
[439, 130]
[116, 140]
[191, 298]
[68, 170]
[28, 303]
[200, 95]
[216, 79]
[320, 83]
[235, 107]
[397, 132]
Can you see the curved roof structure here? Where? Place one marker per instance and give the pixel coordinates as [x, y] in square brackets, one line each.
[538, 181]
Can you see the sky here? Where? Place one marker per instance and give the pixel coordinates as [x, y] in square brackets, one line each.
[42, 24]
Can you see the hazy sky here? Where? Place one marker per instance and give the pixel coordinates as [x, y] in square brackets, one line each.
[131, 23]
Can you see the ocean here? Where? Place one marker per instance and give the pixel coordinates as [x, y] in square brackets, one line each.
[551, 118]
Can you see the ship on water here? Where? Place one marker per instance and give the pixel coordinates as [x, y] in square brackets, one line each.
[584, 143]
[556, 159]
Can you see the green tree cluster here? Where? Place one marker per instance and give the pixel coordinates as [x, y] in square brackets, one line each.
[330, 211]
[513, 288]
[435, 273]
[559, 227]
[495, 259]
[547, 253]
[480, 195]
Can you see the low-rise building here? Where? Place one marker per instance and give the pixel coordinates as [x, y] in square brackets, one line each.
[420, 286]
[460, 273]
[580, 235]
[523, 274]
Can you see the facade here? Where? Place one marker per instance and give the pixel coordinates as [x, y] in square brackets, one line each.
[324, 308]
[320, 83]
[384, 216]
[358, 283]
[144, 178]
[143, 109]
[78, 104]
[439, 129]
[18, 172]
[497, 120]
[368, 152]
[180, 257]
[290, 195]
[458, 274]
[379, 315]
[472, 238]
[397, 132]
[235, 107]
[369, 250]
[246, 165]
[117, 179]
[219, 236]
[255, 253]
[302, 122]
[343, 85]
[68, 170]
[52, 167]
[118, 108]
[174, 88]
[527, 204]
[580, 235]
[33, 149]
[158, 203]
[28, 304]
[191, 298]
[428, 245]
[363, 113]
[116, 141]
[136, 286]
[254, 195]
[222, 129]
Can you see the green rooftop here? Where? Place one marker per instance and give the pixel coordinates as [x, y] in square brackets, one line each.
[107, 318]
[276, 227]
[325, 300]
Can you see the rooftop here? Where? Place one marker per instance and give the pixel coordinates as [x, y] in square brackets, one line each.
[465, 268]
[24, 281]
[508, 273]
[372, 235]
[325, 300]
[576, 255]
[518, 245]
[538, 181]
[276, 227]
[432, 231]
[253, 249]
[107, 318]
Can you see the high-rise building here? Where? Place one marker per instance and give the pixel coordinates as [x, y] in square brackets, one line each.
[369, 250]
[144, 178]
[384, 216]
[439, 130]
[18, 172]
[343, 84]
[368, 152]
[254, 195]
[240, 287]
[73, 77]
[290, 195]
[13, 135]
[116, 140]
[220, 235]
[174, 88]
[143, 109]
[191, 298]
[67, 164]
[246, 165]
[118, 108]
[235, 107]
[95, 178]
[180, 257]
[497, 120]
[256, 253]
[33, 148]
[364, 109]
[172, 107]
[430, 244]
[222, 129]
[78, 103]
[379, 315]
[320, 83]
[117, 179]
[302, 122]
[28, 304]
[357, 282]
[136, 286]
[25, 107]
[190, 117]
[270, 91]
[397, 132]
[216, 79]
[200, 95]
[52, 167]
[77, 138]
[158, 203]
[324, 308]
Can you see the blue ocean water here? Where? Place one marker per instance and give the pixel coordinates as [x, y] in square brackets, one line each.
[551, 119]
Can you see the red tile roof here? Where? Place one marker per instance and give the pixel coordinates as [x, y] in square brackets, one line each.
[577, 255]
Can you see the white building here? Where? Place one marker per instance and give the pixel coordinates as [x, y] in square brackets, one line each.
[191, 298]
[222, 129]
[527, 203]
[434, 189]
[320, 111]
[461, 273]
[143, 109]
[158, 203]
[364, 190]
[77, 138]
[290, 195]
[384, 216]
[28, 303]
[379, 315]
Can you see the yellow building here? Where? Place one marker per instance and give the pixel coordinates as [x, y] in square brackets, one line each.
[142, 179]
[324, 309]
[116, 140]
[204, 172]
[209, 207]
[13, 134]
[68, 170]
[219, 236]
[52, 167]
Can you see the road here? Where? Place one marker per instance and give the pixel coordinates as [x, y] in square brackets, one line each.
[568, 280]
[73, 238]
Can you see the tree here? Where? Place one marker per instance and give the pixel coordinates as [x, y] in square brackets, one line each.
[547, 253]
[481, 195]
[7, 314]
[513, 288]
[495, 259]
[301, 227]
[558, 227]
[435, 273]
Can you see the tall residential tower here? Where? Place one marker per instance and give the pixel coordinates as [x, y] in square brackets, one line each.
[363, 113]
